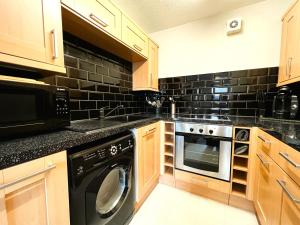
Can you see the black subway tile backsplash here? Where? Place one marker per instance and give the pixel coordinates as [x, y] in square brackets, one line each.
[227, 93]
[97, 79]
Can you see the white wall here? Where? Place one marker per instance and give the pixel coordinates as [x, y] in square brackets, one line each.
[202, 46]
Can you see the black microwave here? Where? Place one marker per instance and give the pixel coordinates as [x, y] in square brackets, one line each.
[27, 108]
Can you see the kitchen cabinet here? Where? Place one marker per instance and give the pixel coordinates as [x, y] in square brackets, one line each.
[102, 13]
[35, 192]
[276, 190]
[148, 160]
[31, 35]
[267, 197]
[145, 73]
[289, 70]
[290, 212]
[134, 37]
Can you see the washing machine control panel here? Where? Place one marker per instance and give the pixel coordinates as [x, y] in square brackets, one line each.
[95, 156]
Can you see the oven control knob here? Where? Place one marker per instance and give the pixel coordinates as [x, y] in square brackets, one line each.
[191, 129]
[113, 150]
[211, 131]
[201, 130]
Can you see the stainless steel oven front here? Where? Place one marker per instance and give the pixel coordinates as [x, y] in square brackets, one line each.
[204, 149]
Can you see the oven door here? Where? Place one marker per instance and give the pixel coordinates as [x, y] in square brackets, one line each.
[205, 155]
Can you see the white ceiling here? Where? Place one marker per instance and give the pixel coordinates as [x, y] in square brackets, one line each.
[155, 15]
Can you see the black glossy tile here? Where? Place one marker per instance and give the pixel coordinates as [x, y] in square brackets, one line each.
[67, 82]
[87, 85]
[95, 96]
[71, 61]
[88, 105]
[222, 76]
[95, 77]
[248, 80]
[206, 77]
[87, 66]
[76, 73]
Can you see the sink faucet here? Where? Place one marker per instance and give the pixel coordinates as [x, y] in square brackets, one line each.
[102, 115]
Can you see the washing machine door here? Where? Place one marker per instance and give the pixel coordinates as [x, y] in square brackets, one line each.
[107, 193]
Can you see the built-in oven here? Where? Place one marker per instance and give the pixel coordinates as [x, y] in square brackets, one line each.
[204, 149]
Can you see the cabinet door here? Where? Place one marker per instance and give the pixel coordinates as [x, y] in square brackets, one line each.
[290, 214]
[148, 159]
[2, 203]
[102, 13]
[290, 58]
[32, 30]
[134, 37]
[153, 65]
[32, 195]
[267, 195]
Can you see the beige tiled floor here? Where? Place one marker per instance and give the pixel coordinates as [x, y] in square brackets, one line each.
[170, 206]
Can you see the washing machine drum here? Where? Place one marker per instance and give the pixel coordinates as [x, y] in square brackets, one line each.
[107, 193]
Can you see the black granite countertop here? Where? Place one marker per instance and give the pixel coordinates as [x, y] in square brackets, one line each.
[16, 151]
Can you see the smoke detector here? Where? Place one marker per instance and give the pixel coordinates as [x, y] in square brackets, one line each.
[234, 26]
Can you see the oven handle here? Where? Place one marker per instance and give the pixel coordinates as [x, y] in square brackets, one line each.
[204, 136]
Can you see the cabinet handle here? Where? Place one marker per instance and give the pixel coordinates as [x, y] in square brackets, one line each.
[287, 157]
[286, 190]
[137, 47]
[265, 163]
[27, 177]
[98, 20]
[264, 140]
[290, 67]
[151, 131]
[54, 44]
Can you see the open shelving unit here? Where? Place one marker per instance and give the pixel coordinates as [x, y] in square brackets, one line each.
[240, 164]
[168, 153]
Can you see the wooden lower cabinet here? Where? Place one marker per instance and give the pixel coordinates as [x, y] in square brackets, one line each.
[148, 160]
[268, 194]
[36, 192]
[290, 211]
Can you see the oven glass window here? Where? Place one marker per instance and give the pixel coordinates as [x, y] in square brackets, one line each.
[202, 153]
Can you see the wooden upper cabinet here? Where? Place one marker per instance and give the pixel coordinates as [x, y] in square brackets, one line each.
[31, 30]
[35, 192]
[134, 37]
[148, 159]
[145, 73]
[289, 70]
[102, 13]
[153, 61]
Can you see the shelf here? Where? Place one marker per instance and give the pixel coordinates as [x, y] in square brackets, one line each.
[239, 194]
[241, 162]
[239, 181]
[169, 127]
[169, 164]
[169, 149]
[169, 159]
[241, 168]
[242, 156]
[241, 142]
[169, 138]
[239, 190]
[169, 154]
[169, 143]
[169, 133]
[239, 175]
[169, 171]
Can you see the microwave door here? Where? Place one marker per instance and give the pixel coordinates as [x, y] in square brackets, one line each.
[23, 107]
